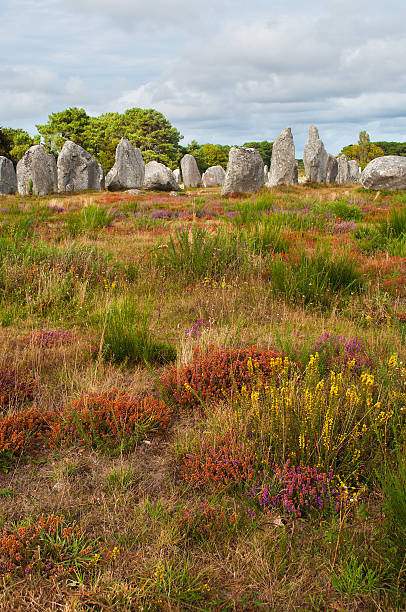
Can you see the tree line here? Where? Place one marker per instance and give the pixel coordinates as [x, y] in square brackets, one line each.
[153, 134]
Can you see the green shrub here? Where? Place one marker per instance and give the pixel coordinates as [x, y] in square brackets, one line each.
[344, 210]
[395, 225]
[90, 218]
[126, 337]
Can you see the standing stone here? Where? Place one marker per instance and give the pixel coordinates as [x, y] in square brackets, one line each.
[78, 170]
[190, 172]
[354, 171]
[8, 177]
[266, 170]
[214, 176]
[284, 170]
[177, 175]
[332, 169]
[343, 175]
[128, 170]
[388, 172]
[36, 172]
[159, 177]
[315, 158]
[245, 171]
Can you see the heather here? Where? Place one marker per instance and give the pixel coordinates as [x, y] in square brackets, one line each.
[202, 400]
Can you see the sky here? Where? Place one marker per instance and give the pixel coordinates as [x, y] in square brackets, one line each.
[221, 71]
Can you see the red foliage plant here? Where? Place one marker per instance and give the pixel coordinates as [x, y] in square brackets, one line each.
[112, 420]
[226, 462]
[215, 373]
[19, 432]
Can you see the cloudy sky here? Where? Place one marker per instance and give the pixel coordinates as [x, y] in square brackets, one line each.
[222, 71]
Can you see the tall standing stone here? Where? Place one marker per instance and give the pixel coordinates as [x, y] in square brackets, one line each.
[388, 172]
[315, 157]
[177, 175]
[159, 177]
[332, 169]
[128, 170]
[245, 171]
[8, 177]
[214, 176]
[266, 171]
[283, 169]
[36, 172]
[354, 171]
[343, 174]
[78, 170]
[190, 172]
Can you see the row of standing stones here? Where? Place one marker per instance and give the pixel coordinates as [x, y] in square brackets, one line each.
[76, 170]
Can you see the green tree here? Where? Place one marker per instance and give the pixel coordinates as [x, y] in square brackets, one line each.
[5, 143]
[17, 143]
[264, 147]
[363, 152]
[147, 129]
[392, 148]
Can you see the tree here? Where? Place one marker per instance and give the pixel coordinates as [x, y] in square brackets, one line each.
[363, 152]
[16, 143]
[264, 147]
[147, 129]
[392, 148]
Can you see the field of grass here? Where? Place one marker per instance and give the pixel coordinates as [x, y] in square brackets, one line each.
[203, 401]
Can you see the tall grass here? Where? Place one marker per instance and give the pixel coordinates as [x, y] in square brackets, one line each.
[91, 218]
[195, 253]
[126, 337]
[315, 279]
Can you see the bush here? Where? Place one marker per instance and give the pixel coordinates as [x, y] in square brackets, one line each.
[338, 353]
[344, 210]
[21, 432]
[48, 547]
[395, 225]
[126, 337]
[112, 421]
[90, 218]
[218, 373]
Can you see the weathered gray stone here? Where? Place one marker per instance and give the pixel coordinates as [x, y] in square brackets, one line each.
[128, 170]
[343, 174]
[354, 171]
[245, 171]
[8, 177]
[315, 158]
[266, 171]
[388, 172]
[177, 175]
[190, 172]
[78, 170]
[283, 169]
[214, 176]
[159, 177]
[36, 172]
[332, 169]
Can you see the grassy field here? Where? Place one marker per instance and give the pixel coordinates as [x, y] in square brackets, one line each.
[202, 401]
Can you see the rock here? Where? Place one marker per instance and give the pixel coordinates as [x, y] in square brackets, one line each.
[266, 170]
[214, 176]
[245, 171]
[343, 174]
[36, 172]
[159, 177]
[177, 175]
[8, 177]
[284, 169]
[133, 191]
[78, 170]
[332, 169]
[128, 170]
[315, 158]
[388, 172]
[190, 172]
[354, 171]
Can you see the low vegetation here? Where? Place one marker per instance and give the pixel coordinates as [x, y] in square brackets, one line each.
[202, 401]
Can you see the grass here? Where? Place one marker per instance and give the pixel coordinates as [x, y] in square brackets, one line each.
[202, 401]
